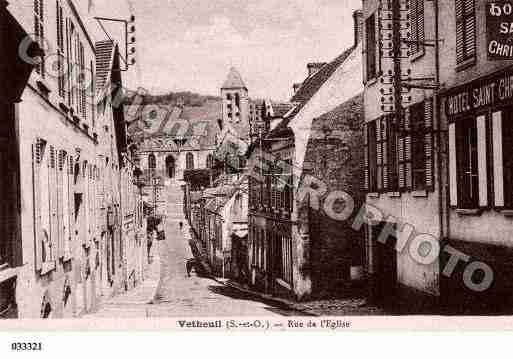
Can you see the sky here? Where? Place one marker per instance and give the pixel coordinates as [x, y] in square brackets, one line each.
[191, 44]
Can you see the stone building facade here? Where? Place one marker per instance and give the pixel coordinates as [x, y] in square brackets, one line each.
[73, 181]
[444, 175]
[290, 253]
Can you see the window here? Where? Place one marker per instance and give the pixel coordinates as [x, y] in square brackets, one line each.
[189, 161]
[467, 163]
[210, 161]
[421, 145]
[39, 32]
[370, 41]
[465, 31]
[283, 257]
[152, 162]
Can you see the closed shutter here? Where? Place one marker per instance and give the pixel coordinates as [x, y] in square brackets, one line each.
[453, 174]
[366, 157]
[482, 165]
[498, 170]
[429, 142]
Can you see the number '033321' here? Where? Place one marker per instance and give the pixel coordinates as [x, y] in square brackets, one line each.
[22, 346]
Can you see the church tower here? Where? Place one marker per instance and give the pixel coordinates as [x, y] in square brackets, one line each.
[235, 103]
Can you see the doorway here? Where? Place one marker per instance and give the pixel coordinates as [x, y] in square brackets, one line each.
[170, 166]
[385, 267]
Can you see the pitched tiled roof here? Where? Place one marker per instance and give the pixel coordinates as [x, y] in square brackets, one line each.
[309, 88]
[346, 116]
[104, 57]
[234, 80]
[314, 83]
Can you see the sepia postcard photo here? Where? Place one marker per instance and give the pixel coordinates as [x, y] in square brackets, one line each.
[256, 165]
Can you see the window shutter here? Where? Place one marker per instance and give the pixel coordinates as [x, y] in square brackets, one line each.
[366, 157]
[453, 175]
[61, 172]
[498, 170]
[459, 31]
[71, 207]
[481, 158]
[379, 155]
[384, 151]
[470, 29]
[54, 222]
[428, 142]
[37, 156]
[407, 151]
[401, 164]
[420, 24]
[414, 25]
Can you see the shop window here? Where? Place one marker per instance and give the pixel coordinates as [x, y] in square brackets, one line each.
[467, 163]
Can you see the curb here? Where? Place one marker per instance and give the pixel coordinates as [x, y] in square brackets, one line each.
[290, 305]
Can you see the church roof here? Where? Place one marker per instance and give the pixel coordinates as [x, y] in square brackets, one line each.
[234, 80]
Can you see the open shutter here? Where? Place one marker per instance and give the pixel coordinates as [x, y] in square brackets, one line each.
[37, 156]
[401, 165]
[379, 155]
[429, 142]
[460, 55]
[453, 175]
[414, 25]
[385, 123]
[365, 158]
[54, 222]
[498, 162]
[407, 152]
[470, 29]
[61, 172]
[482, 169]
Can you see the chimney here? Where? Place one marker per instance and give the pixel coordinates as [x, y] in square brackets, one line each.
[358, 26]
[314, 67]
[296, 86]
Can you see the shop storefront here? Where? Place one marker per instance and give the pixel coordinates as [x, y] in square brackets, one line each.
[480, 133]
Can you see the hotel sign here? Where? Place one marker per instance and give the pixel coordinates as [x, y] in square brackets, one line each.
[493, 90]
[499, 30]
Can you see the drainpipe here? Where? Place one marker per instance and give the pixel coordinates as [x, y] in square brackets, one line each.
[443, 203]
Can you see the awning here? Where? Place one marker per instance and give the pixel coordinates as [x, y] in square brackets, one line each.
[14, 71]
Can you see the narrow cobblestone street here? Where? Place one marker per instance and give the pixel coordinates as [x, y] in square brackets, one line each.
[176, 294]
